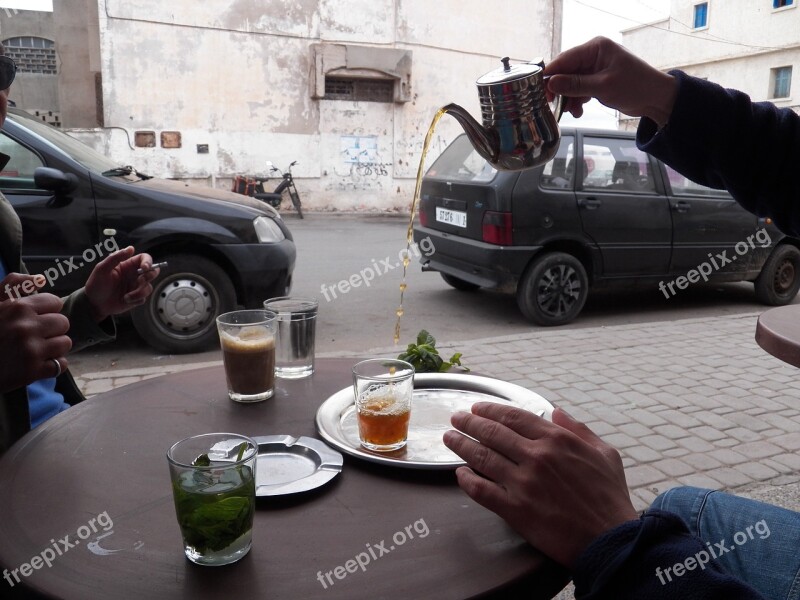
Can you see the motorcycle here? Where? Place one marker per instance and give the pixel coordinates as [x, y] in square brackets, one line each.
[255, 187]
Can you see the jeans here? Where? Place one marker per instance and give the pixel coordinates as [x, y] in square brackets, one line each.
[755, 542]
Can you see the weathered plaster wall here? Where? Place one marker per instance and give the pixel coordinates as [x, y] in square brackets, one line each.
[238, 75]
[78, 51]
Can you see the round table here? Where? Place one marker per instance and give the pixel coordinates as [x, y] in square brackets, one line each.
[778, 332]
[93, 483]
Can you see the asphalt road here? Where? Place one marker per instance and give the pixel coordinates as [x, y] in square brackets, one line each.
[334, 248]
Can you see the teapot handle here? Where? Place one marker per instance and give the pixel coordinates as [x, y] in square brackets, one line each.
[559, 102]
[557, 106]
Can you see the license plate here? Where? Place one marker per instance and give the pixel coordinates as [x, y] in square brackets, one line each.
[451, 217]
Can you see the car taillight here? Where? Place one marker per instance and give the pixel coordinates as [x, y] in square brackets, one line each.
[423, 214]
[497, 228]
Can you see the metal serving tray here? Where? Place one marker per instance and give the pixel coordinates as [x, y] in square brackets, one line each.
[436, 397]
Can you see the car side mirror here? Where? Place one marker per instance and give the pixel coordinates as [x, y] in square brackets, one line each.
[54, 180]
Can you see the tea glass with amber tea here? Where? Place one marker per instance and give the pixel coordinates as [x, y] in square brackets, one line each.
[247, 338]
[383, 388]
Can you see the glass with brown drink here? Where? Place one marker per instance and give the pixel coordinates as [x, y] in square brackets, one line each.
[383, 388]
[247, 338]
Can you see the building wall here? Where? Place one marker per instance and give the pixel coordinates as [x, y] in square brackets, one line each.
[743, 42]
[241, 77]
[32, 91]
[78, 50]
[71, 94]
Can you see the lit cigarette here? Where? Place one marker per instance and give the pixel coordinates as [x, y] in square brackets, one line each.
[152, 267]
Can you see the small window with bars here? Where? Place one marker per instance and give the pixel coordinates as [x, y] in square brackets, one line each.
[32, 54]
[781, 79]
[359, 89]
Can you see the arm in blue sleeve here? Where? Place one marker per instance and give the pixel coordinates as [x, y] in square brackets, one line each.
[718, 137]
[638, 560]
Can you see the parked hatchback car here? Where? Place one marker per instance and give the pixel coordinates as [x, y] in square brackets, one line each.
[223, 249]
[601, 213]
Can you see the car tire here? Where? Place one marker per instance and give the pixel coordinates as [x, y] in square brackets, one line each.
[459, 284]
[188, 296]
[553, 289]
[779, 280]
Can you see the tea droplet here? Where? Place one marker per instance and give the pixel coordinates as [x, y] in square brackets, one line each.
[400, 312]
[403, 287]
[406, 261]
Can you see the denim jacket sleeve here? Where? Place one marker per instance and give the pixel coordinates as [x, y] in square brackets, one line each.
[720, 138]
[656, 558]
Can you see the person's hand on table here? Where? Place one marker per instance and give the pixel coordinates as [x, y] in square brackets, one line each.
[604, 70]
[557, 484]
[34, 333]
[115, 286]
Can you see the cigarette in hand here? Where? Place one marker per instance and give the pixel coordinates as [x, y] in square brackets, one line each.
[152, 267]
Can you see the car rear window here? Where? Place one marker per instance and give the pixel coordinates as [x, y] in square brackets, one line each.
[460, 162]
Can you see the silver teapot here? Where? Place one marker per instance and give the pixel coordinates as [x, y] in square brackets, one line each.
[519, 128]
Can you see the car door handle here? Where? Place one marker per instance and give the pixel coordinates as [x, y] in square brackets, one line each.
[589, 203]
[681, 206]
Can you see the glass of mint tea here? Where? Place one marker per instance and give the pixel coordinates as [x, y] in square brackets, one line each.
[214, 486]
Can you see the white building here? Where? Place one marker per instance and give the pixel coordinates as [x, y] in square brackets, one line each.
[750, 45]
[210, 90]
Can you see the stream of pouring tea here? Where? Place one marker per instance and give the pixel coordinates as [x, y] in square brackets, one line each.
[410, 232]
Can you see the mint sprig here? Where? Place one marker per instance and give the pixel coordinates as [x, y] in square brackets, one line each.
[424, 356]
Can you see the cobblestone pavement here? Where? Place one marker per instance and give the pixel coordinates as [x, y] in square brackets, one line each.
[690, 402]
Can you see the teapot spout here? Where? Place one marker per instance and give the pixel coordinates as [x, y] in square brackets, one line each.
[485, 141]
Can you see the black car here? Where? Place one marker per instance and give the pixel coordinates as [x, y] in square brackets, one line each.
[223, 249]
[601, 213]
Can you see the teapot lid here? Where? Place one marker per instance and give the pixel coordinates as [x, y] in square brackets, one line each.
[510, 72]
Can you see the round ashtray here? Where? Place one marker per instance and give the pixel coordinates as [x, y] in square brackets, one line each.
[288, 465]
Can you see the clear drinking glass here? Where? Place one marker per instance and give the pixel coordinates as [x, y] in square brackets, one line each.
[247, 338]
[383, 388]
[214, 487]
[296, 329]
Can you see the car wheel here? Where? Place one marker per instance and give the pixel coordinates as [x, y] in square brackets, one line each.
[180, 315]
[553, 289]
[779, 280]
[459, 284]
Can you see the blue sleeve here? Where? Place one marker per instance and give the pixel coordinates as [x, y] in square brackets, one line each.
[655, 558]
[718, 137]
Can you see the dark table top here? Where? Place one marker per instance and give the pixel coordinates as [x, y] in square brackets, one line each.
[778, 332]
[107, 456]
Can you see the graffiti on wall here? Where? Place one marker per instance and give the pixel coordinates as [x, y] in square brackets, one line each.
[362, 162]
